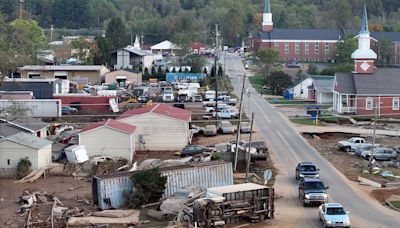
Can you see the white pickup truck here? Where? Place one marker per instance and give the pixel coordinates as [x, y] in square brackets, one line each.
[226, 114]
[354, 143]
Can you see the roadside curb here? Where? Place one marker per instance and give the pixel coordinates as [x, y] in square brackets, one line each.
[391, 206]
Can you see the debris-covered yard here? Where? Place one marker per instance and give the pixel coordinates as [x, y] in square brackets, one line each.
[71, 192]
[352, 166]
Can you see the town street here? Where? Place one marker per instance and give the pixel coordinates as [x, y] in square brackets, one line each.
[287, 148]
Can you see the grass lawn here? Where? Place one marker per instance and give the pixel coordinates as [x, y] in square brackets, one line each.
[306, 121]
[396, 204]
[257, 82]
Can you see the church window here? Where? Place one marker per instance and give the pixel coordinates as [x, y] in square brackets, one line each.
[395, 103]
[368, 103]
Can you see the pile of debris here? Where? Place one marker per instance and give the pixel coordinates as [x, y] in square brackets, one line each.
[41, 209]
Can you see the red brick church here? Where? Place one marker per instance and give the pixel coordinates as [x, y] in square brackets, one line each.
[368, 89]
[310, 45]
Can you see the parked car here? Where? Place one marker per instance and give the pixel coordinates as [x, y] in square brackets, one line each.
[306, 170]
[210, 130]
[226, 127]
[197, 98]
[67, 110]
[312, 191]
[382, 153]
[226, 114]
[292, 64]
[191, 150]
[334, 215]
[245, 127]
[354, 143]
[143, 99]
[359, 151]
[259, 145]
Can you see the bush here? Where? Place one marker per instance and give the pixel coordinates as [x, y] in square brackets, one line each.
[149, 187]
[23, 167]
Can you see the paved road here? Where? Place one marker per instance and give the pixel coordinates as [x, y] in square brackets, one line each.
[287, 148]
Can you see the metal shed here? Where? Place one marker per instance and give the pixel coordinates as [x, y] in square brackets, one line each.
[108, 190]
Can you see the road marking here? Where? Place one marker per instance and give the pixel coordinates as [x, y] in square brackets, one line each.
[290, 148]
[259, 107]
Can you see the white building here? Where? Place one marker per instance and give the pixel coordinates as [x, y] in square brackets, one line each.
[164, 47]
[159, 127]
[110, 138]
[302, 89]
[16, 147]
[133, 57]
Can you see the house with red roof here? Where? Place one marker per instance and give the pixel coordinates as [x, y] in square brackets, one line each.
[109, 138]
[159, 127]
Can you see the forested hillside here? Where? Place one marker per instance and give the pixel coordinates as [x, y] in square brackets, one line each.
[159, 19]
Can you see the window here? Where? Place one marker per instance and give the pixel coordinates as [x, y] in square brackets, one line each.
[327, 48]
[368, 103]
[8, 161]
[297, 47]
[276, 44]
[316, 60]
[307, 48]
[395, 103]
[286, 48]
[307, 60]
[316, 48]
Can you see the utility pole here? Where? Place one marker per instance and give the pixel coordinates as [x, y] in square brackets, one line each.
[238, 125]
[141, 41]
[248, 153]
[371, 158]
[216, 70]
[21, 2]
[51, 32]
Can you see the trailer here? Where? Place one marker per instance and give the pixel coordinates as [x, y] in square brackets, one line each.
[247, 202]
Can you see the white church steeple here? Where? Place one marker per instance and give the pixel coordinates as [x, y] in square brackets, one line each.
[267, 24]
[364, 56]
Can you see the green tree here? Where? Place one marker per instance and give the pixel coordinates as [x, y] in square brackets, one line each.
[149, 187]
[277, 81]
[102, 51]
[212, 74]
[160, 74]
[345, 47]
[146, 74]
[117, 33]
[83, 51]
[220, 70]
[182, 40]
[312, 69]
[386, 52]
[268, 59]
[153, 72]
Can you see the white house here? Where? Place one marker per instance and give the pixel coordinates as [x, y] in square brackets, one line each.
[165, 46]
[159, 127]
[110, 138]
[301, 89]
[321, 90]
[21, 145]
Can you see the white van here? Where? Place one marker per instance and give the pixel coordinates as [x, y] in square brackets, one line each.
[210, 95]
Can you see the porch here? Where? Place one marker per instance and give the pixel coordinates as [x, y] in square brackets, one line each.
[344, 103]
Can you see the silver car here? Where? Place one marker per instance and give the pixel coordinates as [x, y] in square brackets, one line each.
[210, 130]
[382, 153]
[334, 215]
[225, 127]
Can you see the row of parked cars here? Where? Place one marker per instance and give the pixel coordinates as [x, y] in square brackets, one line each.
[363, 149]
[313, 191]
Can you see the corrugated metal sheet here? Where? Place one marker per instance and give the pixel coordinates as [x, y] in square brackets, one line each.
[36, 108]
[108, 189]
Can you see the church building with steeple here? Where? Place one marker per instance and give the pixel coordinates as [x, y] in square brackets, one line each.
[311, 45]
[368, 89]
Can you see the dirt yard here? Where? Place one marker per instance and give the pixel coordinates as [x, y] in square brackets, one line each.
[351, 165]
[67, 189]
